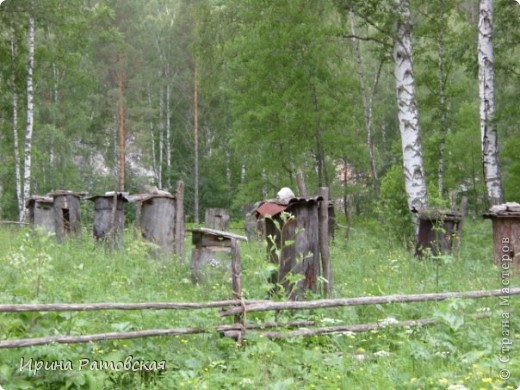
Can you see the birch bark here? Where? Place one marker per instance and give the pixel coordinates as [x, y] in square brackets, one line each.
[16, 143]
[30, 116]
[486, 76]
[168, 135]
[408, 112]
[196, 143]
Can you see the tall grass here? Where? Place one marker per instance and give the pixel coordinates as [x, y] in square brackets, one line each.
[459, 351]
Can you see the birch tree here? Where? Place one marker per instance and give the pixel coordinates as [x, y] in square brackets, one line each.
[486, 78]
[30, 114]
[408, 112]
[195, 144]
[16, 147]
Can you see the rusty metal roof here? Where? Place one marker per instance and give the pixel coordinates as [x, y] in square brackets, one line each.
[271, 209]
[275, 207]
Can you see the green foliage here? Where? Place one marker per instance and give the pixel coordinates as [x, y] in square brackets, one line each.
[460, 349]
[393, 205]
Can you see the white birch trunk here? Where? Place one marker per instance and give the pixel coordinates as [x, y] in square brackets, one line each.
[196, 144]
[486, 76]
[161, 139]
[152, 137]
[30, 116]
[168, 136]
[16, 143]
[408, 113]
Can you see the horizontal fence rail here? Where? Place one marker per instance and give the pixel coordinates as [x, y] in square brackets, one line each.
[260, 305]
[386, 299]
[244, 306]
[123, 306]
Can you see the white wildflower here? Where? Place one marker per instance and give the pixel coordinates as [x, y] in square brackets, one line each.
[388, 321]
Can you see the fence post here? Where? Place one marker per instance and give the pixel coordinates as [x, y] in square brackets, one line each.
[324, 238]
[300, 181]
[236, 285]
[179, 220]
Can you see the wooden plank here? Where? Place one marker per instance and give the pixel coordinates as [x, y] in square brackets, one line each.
[179, 220]
[361, 301]
[157, 223]
[300, 181]
[236, 273]
[221, 233]
[217, 219]
[298, 246]
[324, 239]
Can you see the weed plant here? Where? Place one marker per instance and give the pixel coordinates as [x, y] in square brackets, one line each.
[459, 352]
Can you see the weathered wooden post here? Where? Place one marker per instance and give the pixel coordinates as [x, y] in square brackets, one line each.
[217, 219]
[463, 209]
[67, 213]
[236, 276]
[157, 221]
[179, 220]
[109, 221]
[438, 231]
[41, 213]
[295, 246]
[300, 181]
[506, 235]
[254, 227]
[324, 238]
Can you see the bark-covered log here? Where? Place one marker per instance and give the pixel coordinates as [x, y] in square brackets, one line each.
[179, 220]
[109, 223]
[293, 245]
[324, 239]
[217, 219]
[41, 213]
[387, 299]
[67, 214]
[506, 237]
[157, 221]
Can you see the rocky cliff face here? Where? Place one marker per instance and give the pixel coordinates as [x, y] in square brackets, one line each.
[97, 164]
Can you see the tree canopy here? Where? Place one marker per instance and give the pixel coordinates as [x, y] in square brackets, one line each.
[282, 86]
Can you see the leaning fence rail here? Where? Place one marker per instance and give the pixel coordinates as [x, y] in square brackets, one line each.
[242, 307]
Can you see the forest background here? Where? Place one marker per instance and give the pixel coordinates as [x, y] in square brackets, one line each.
[234, 97]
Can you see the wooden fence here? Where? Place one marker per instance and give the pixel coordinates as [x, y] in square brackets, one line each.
[239, 308]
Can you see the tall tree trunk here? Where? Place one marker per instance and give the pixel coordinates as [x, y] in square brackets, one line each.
[161, 138]
[121, 123]
[152, 136]
[30, 116]
[486, 77]
[196, 144]
[443, 78]
[408, 113]
[168, 135]
[55, 98]
[368, 105]
[444, 115]
[323, 176]
[16, 143]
